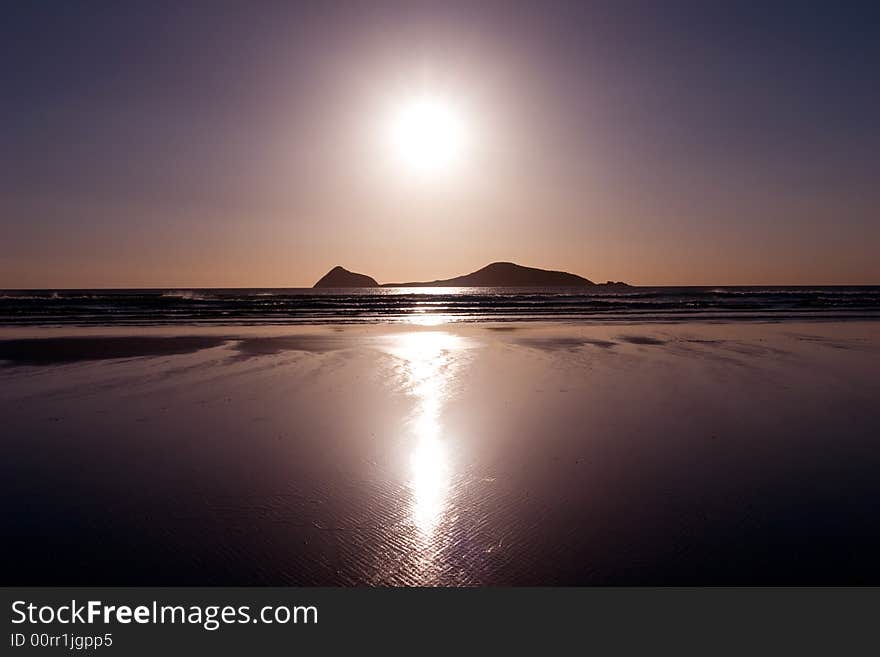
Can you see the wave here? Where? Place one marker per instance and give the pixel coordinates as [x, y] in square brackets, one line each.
[190, 295]
[308, 306]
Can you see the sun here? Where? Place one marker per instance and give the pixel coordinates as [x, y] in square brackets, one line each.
[427, 135]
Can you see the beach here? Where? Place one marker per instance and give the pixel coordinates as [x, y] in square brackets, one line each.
[486, 453]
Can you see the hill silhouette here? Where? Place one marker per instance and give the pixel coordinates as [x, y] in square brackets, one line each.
[341, 277]
[497, 274]
[506, 274]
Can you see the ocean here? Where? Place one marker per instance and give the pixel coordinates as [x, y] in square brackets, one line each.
[143, 307]
[657, 436]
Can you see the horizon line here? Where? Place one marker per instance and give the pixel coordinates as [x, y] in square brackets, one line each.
[390, 286]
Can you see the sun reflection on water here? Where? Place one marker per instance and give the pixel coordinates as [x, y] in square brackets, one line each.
[423, 318]
[429, 366]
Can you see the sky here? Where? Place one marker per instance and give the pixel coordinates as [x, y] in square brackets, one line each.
[233, 144]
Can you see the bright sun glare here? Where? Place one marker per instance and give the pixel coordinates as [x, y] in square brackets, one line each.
[427, 135]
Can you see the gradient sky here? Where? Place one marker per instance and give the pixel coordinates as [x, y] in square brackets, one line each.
[162, 144]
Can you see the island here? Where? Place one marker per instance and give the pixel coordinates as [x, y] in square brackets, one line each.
[341, 277]
[496, 274]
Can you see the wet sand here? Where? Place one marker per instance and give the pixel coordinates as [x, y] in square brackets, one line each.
[737, 453]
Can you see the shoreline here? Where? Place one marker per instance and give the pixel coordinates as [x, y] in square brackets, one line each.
[736, 453]
[49, 345]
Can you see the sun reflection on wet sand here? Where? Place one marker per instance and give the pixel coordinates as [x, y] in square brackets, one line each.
[429, 367]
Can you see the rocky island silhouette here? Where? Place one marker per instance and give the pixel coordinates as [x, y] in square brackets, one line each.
[496, 274]
[341, 277]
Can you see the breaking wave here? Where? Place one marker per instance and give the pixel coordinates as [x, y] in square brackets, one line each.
[424, 305]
